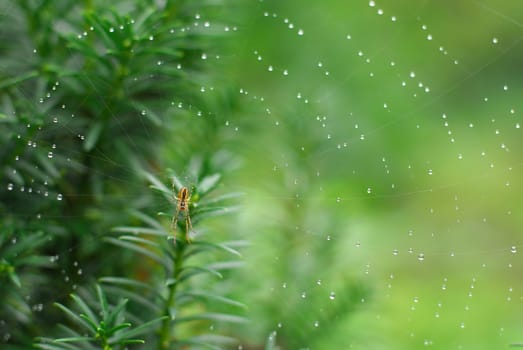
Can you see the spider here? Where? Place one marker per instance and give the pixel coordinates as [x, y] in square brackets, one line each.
[182, 205]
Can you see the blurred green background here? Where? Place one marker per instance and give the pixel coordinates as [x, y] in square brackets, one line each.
[378, 146]
[384, 165]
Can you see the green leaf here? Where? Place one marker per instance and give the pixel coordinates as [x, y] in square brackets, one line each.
[136, 248]
[271, 342]
[92, 136]
[147, 327]
[118, 328]
[90, 322]
[140, 230]
[35, 260]
[85, 309]
[215, 317]
[208, 183]
[74, 339]
[215, 211]
[15, 279]
[226, 265]
[190, 271]
[115, 312]
[126, 282]
[176, 182]
[157, 184]
[47, 344]
[24, 245]
[214, 297]
[149, 113]
[209, 339]
[218, 246]
[130, 341]
[147, 219]
[49, 167]
[73, 316]
[221, 198]
[18, 79]
[144, 301]
[103, 302]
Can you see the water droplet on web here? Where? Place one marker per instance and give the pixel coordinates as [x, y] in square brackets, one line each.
[494, 40]
[421, 256]
[513, 249]
[50, 155]
[59, 196]
[332, 296]
[303, 295]
[316, 324]
[10, 186]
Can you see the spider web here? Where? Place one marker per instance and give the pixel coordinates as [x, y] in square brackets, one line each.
[382, 174]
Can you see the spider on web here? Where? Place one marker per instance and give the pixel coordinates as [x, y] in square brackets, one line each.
[182, 207]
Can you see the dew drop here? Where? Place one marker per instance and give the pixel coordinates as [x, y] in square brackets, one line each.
[332, 296]
[59, 196]
[50, 155]
[10, 186]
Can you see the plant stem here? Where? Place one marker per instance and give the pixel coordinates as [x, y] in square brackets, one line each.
[166, 334]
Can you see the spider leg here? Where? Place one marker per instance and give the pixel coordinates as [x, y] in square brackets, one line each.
[188, 227]
[174, 222]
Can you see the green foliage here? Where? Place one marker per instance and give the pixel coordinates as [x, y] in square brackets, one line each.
[20, 267]
[177, 294]
[96, 99]
[87, 93]
[108, 332]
